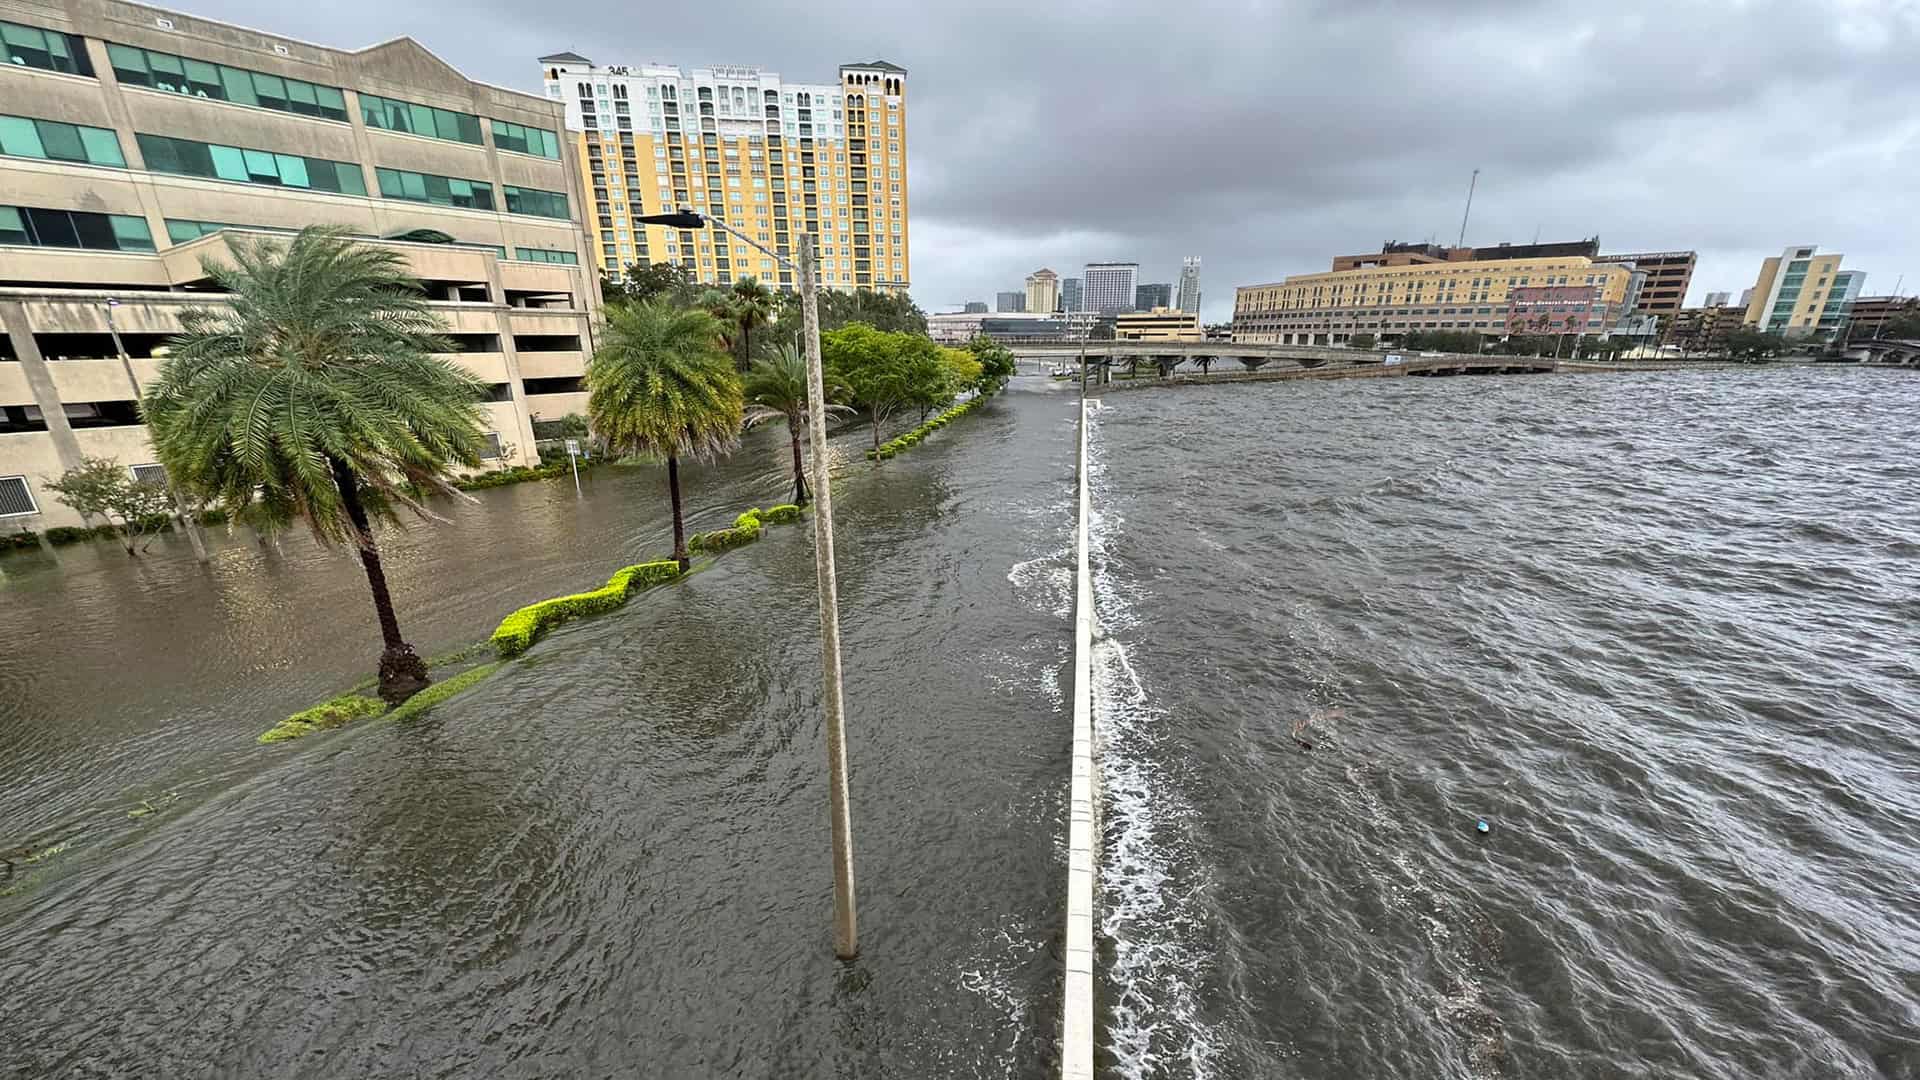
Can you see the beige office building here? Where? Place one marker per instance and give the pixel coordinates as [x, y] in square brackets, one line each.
[1159, 324]
[133, 139]
[1390, 300]
[1043, 291]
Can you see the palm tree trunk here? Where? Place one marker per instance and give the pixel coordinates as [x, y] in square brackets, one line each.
[679, 525]
[799, 474]
[402, 672]
[746, 345]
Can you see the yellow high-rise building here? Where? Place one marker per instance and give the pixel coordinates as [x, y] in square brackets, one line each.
[770, 158]
[1810, 296]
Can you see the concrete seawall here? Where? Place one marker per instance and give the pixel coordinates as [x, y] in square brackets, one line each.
[1076, 1029]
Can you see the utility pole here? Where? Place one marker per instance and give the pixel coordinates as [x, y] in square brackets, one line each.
[1471, 184]
[846, 941]
[187, 524]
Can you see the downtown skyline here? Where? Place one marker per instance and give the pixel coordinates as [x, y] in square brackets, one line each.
[1652, 126]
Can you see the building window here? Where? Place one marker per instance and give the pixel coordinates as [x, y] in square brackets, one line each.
[197, 78]
[440, 190]
[552, 204]
[51, 140]
[16, 499]
[390, 115]
[492, 451]
[36, 227]
[546, 255]
[48, 50]
[188, 158]
[525, 140]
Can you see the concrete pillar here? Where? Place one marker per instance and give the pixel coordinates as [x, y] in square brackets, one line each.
[522, 412]
[13, 318]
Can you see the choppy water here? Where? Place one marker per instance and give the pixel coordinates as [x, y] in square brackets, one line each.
[610, 859]
[1658, 631]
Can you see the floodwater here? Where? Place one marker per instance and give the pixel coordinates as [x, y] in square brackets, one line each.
[609, 859]
[1657, 631]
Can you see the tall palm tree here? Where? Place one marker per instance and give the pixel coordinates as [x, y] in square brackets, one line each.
[317, 393]
[658, 384]
[752, 307]
[776, 389]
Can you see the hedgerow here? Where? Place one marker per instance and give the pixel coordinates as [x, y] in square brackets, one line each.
[901, 443]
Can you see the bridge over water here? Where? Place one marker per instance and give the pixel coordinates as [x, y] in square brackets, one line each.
[1900, 353]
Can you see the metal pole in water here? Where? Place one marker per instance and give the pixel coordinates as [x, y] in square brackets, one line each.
[846, 942]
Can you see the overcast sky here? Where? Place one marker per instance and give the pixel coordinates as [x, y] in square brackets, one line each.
[1267, 138]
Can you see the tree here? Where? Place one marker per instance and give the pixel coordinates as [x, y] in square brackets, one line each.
[1361, 341]
[888, 312]
[1902, 327]
[654, 281]
[319, 393]
[103, 486]
[886, 372]
[752, 307]
[776, 388]
[996, 363]
[719, 304]
[660, 384]
[1751, 345]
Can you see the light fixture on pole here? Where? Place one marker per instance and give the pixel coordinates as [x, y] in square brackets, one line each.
[845, 923]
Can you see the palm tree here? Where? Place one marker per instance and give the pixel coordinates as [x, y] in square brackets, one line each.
[752, 306]
[317, 393]
[776, 389]
[658, 384]
[719, 304]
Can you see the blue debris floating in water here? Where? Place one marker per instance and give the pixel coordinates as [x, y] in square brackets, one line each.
[1481, 826]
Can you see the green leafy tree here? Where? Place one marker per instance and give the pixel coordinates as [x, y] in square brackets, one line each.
[719, 304]
[659, 384]
[752, 308]
[1903, 327]
[885, 371]
[1361, 341]
[318, 392]
[996, 363]
[1751, 345]
[655, 281]
[776, 389]
[888, 312]
[105, 487]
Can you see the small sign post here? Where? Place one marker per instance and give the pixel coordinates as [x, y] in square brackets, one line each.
[573, 458]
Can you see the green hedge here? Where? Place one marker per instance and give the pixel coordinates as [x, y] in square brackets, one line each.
[24, 540]
[901, 443]
[780, 515]
[68, 534]
[746, 529]
[546, 470]
[441, 691]
[518, 631]
[328, 714]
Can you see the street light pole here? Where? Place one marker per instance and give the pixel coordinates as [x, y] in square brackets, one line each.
[187, 524]
[846, 941]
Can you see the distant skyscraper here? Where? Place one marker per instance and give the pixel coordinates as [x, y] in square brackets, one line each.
[1719, 299]
[1190, 283]
[1746, 297]
[1043, 291]
[1150, 296]
[1070, 294]
[976, 307]
[1109, 287]
[1010, 301]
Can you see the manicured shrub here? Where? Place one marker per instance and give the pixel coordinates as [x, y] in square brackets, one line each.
[68, 534]
[901, 443]
[19, 541]
[328, 714]
[722, 539]
[107, 532]
[780, 515]
[441, 691]
[518, 631]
